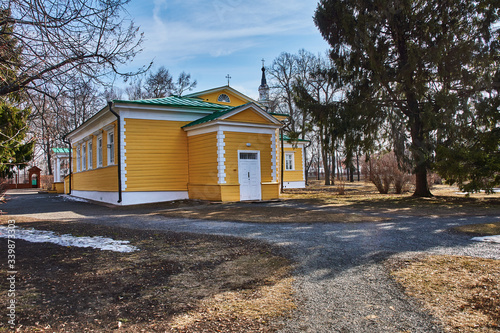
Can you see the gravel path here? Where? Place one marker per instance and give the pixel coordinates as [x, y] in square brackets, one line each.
[341, 282]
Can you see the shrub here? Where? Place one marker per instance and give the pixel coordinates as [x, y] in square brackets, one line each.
[383, 170]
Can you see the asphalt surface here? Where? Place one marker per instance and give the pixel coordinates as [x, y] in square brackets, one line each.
[342, 284]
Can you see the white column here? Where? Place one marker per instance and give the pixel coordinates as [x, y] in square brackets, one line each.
[57, 173]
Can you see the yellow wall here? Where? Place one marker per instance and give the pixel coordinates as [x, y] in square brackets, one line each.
[203, 176]
[281, 118]
[205, 192]
[212, 98]
[203, 159]
[66, 183]
[58, 187]
[297, 174]
[249, 116]
[238, 141]
[156, 155]
[102, 179]
[94, 149]
[230, 192]
[270, 191]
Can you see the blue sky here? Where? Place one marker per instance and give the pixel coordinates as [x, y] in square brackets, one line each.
[211, 39]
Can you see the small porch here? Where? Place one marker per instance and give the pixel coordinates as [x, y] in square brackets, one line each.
[60, 156]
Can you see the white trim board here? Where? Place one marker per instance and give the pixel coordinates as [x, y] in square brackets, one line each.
[295, 184]
[233, 127]
[131, 198]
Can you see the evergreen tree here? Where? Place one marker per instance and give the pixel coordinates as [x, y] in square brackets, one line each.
[15, 150]
[424, 59]
[468, 151]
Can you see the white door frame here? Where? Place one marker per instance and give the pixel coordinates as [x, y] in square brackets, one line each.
[257, 196]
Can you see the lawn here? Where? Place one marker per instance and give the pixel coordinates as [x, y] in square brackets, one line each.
[463, 292]
[175, 283]
[181, 282]
[363, 197]
[324, 204]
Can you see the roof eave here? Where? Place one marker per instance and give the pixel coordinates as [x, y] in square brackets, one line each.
[219, 122]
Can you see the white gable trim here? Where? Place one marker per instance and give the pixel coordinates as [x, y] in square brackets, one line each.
[227, 88]
[92, 127]
[255, 108]
[163, 114]
[232, 127]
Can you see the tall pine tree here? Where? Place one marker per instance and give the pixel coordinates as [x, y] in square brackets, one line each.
[424, 59]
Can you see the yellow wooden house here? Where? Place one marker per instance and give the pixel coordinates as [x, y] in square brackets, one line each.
[217, 145]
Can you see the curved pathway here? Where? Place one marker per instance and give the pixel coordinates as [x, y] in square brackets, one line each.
[341, 281]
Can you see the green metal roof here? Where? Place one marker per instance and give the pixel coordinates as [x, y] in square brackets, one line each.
[177, 101]
[60, 150]
[279, 114]
[288, 139]
[213, 116]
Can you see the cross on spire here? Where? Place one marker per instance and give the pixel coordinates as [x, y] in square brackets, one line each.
[263, 62]
[228, 78]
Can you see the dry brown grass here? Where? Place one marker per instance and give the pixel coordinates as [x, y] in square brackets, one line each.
[463, 292]
[364, 197]
[482, 229]
[177, 282]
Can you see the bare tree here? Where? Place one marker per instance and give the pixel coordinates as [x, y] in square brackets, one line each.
[184, 83]
[57, 38]
[159, 84]
[112, 93]
[135, 89]
[283, 74]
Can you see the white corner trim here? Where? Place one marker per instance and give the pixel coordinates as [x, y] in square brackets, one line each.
[123, 150]
[303, 165]
[274, 170]
[221, 167]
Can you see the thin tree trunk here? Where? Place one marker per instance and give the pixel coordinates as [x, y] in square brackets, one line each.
[49, 158]
[324, 153]
[357, 166]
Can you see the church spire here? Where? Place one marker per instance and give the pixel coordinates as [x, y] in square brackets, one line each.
[263, 81]
[264, 88]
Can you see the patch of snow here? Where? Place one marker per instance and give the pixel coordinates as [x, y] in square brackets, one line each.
[42, 236]
[66, 197]
[494, 190]
[491, 239]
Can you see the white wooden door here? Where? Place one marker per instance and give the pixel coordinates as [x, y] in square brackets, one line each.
[249, 175]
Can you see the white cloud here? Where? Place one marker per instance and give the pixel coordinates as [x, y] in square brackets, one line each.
[180, 29]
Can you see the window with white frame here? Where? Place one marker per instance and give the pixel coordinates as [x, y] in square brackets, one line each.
[289, 161]
[84, 156]
[223, 98]
[90, 155]
[78, 158]
[99, 151]
[111, 148]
